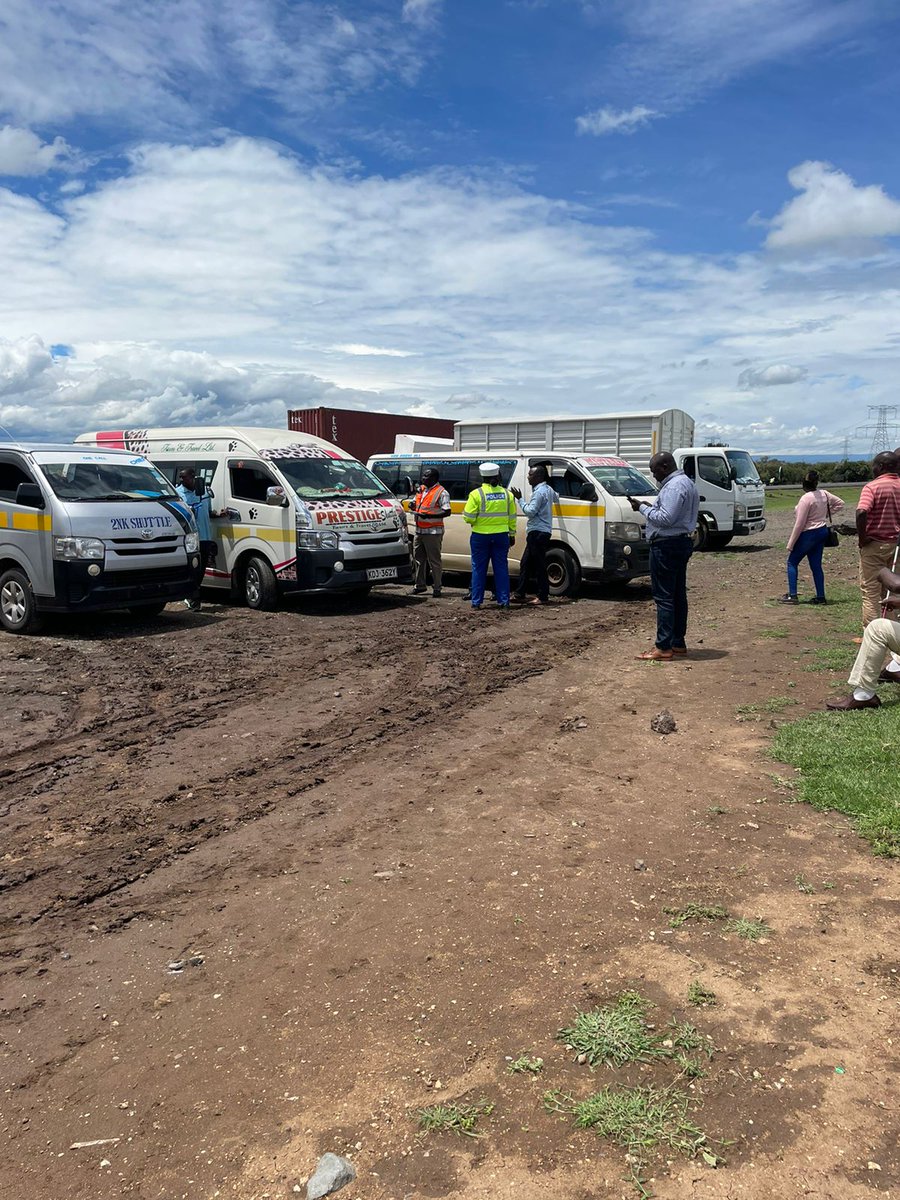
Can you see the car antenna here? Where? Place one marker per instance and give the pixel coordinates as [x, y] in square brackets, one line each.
[13, 440]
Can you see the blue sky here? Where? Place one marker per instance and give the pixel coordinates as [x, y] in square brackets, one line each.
[211, 211]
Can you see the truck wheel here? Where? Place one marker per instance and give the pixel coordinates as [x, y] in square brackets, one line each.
[260, 588]
[147, 611]
[717, 541]
[18, 612]
[700, 536]
[563, 571]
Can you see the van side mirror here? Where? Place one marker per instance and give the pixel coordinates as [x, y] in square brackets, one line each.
[732, 474]
[588, 492]
[277, 497]
[404, 486]
[29, 495]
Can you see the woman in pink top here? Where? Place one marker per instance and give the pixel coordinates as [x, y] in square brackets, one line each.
[808, 536]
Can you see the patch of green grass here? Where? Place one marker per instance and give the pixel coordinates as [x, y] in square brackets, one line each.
[615, 1034]
[848, 764]
[803, 885]
[700, 996]
[641, 1119]
[749, 929]
[525, 1064]
[460, 1119]
[695, 912]
[781, 499]
[774, 704]
[832, 657]
[778, 632]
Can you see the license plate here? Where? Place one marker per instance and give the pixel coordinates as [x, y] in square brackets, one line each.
[381, 573]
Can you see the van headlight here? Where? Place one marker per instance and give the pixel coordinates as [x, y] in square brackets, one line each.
[740, 512]
[623, 531]
[192, 542]
[317, 539]
[71, 548]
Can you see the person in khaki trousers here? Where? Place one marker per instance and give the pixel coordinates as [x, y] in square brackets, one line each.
[878, 530]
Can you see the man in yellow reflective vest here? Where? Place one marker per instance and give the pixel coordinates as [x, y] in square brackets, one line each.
[491, 512]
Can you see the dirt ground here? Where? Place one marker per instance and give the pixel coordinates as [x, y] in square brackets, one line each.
[396, 844]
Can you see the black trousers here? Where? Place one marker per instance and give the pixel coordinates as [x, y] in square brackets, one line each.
[534, 563]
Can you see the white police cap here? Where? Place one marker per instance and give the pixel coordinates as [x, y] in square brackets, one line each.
[489, 470]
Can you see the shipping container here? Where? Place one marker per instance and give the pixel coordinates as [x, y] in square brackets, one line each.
[635, 436]
[363, 434]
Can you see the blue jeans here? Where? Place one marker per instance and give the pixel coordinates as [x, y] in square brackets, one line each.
[808, 545]
[493, 548]
[669, 558]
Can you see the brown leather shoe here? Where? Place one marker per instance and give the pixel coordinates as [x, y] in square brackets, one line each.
[655, 655]
[849, 703]
[889, 677]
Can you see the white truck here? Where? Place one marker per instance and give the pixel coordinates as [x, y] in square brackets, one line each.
[732, 496]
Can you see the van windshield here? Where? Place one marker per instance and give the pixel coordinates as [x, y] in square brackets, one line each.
[330, 478]
[744, 467]
[96, 481]
[621, 480]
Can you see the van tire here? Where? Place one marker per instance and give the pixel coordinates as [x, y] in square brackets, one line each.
[147, 611]
[260, 587]
[563, 571]
[18, 611]
[718, 541]
[700, 536]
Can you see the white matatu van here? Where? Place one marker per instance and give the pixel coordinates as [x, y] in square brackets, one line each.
[596, 536]
[83, 529]
[302, 515]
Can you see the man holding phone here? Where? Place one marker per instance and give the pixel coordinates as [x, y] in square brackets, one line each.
[671, 521]
[198, 498]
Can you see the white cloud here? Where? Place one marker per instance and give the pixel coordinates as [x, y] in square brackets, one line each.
[361, 350]
[777, 375]
[421, 12]
[607, 120]
[23, 153]
[674, 54]
[159, 64]
[215, 283]
[832, 210]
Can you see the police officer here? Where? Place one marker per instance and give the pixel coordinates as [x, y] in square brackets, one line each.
[491, 512]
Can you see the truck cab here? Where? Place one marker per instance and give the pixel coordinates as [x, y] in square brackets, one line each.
[732, 496]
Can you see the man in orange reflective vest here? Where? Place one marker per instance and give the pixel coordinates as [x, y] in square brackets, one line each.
[430, 507]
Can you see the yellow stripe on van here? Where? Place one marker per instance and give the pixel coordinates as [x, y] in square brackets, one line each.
[264, 535]
[34, 522]
[559, 510]
[4, 520]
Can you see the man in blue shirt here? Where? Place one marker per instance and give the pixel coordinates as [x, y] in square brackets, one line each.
[539, 511]
[198, 498]
[671, 521]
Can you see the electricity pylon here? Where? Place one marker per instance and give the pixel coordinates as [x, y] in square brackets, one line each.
[882, 426]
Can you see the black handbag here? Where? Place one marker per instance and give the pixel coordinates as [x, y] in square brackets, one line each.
[831, 538]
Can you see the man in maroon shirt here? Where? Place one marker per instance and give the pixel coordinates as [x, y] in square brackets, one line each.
[878, 530]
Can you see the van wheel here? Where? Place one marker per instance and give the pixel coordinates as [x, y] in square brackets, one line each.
[700, 536]
[563, 571]
[717, 541]
[147, 611]
[260, 588]
[18, 613]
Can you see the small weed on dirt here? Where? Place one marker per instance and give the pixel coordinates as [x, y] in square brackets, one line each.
[695, 912]
[780, 632]
[460, 1119]
[749, 929]
[701, 996]
[775, 704]
[525, 1064]
[716, 810]
[614, 1034]
[641, 1119]
[803, 885]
